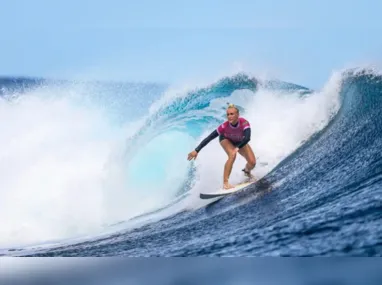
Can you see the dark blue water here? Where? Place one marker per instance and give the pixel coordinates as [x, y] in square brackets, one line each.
[323, 199]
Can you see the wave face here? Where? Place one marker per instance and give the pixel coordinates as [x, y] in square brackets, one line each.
[96, 169]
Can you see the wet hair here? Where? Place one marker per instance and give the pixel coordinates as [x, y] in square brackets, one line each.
[230, 105]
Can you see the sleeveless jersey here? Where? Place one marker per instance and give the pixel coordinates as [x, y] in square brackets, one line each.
[235, 134]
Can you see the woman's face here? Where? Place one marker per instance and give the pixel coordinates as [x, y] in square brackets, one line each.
[232, 115]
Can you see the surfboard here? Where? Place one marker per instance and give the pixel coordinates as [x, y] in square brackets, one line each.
[223, 192]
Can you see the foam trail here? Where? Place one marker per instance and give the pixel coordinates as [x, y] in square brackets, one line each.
[283, 122]
[52, 157]
[63, 170]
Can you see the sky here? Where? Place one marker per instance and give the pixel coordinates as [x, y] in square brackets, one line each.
[178, 41]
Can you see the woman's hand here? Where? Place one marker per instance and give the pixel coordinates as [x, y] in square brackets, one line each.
[192, 155]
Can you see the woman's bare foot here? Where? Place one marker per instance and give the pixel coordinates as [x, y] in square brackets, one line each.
[227, 186]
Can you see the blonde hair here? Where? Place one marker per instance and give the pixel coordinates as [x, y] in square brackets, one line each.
[230, 105]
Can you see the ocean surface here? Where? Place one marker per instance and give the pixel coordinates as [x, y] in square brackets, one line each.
[101, 169]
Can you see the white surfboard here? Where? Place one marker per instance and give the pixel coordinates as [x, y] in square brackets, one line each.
[223, 192]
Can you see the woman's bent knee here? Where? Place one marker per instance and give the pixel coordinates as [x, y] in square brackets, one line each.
[232, 157]
[252, 162]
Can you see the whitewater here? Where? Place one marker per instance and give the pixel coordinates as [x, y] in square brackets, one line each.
[100, 168]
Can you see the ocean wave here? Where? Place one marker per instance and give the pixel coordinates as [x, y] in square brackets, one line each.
[321, 150]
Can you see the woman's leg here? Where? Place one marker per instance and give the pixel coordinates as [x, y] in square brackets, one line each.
[228, 147]
[247, 152]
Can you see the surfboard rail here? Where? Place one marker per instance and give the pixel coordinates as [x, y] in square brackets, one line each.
[223, 192]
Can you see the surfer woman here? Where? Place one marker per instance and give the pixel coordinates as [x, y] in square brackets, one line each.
[234, 135]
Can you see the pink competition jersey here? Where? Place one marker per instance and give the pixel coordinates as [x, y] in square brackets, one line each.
[235, 134]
